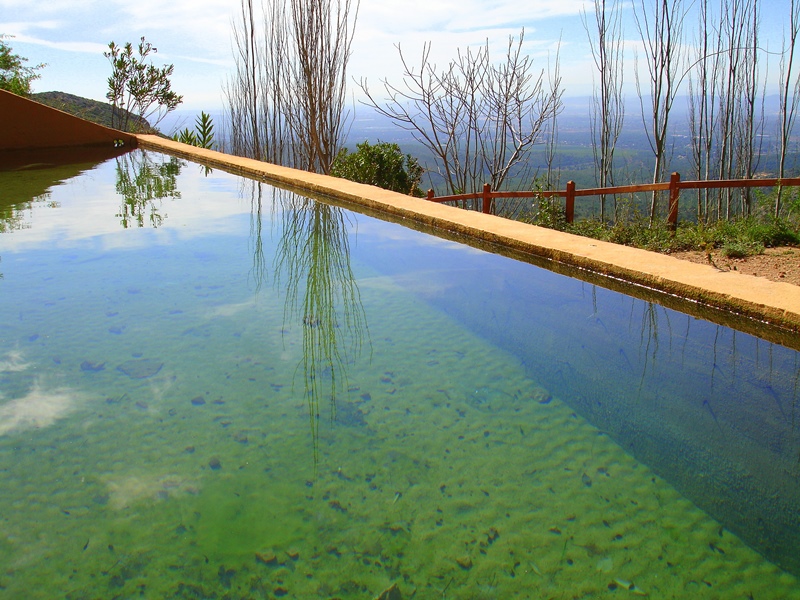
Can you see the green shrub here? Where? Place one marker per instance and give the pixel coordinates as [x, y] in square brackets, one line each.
[202, 136]
[737, 238]
[383, 165]
[741, 249]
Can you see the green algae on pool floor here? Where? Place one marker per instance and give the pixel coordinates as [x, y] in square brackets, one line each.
[434, 491]
[167, 430]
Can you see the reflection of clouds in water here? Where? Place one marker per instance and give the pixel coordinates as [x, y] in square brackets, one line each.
[424, 283]
[132, 489]
[12, 362]
[88, 214]
[39, 408]
[229, 310]
[385, 231]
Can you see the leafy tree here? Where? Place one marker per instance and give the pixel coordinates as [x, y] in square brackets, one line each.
[382, 164]
[15, 77]
[138, 88]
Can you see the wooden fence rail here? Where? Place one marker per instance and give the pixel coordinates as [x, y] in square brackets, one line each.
[674, 186]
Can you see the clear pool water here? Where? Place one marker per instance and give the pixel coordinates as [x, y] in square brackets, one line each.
[212, 388]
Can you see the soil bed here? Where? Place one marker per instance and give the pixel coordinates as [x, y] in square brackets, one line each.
[776, 264]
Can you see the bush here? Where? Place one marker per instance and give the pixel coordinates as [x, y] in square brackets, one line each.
[138, 87]
[382, 165]
[202, 136]
[740, 249]
[737, 238]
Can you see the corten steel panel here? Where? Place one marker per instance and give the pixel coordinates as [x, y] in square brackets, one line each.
[28, 124]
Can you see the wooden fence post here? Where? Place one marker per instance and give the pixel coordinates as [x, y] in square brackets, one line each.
[570, 209]
[674, 195]
[487, 199]
[430, 194]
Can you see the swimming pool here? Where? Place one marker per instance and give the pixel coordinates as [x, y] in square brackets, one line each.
[212, 386]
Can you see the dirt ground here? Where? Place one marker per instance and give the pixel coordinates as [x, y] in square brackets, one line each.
[777, 264]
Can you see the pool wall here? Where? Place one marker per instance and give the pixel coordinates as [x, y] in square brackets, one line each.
[28, 124]
[757, 300]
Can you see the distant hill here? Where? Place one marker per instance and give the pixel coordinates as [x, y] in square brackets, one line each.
[91, 110]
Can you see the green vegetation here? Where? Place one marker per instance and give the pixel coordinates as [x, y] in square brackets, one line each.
[137, 87]
[15, 77]
[737, 237]
[84, 108]
[203, 134]
[143, 182]
[382, 164]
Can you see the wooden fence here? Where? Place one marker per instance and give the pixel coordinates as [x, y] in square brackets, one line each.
[673, 186]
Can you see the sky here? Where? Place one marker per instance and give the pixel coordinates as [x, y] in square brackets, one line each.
[195, 35]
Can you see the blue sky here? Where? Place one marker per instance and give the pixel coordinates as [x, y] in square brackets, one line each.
[195, 35]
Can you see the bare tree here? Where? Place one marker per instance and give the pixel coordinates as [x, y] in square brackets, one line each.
[726, 103]
[703, 94]
[244, 92]
[789, 94]
[478, 119]
[286, 101]
[660, 25]
[751, 105]
[321, 37]
[553, 175]
[740, 107]
[608, 102]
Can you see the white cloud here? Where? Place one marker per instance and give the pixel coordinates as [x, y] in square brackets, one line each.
[87, 47]
[218, 62]
[17, 28]
[399, 17]
[195, 35]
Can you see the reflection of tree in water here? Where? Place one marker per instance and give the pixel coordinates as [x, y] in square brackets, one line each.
[13, 208]
[322, 297]
[141, 180]
[15, 204]
[12, 216]
[259, 271]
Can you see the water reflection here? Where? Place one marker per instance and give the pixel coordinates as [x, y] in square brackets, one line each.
[312, 265]
[143, 180]
[12, 213]
[28, 176]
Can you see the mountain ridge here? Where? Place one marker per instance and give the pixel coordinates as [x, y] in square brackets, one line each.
[85, 108]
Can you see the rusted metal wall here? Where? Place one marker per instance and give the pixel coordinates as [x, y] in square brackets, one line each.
[27, 124]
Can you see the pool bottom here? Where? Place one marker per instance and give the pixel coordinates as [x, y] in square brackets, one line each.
[194, 483]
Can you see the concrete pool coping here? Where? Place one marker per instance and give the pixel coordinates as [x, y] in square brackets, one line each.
[766, 304]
